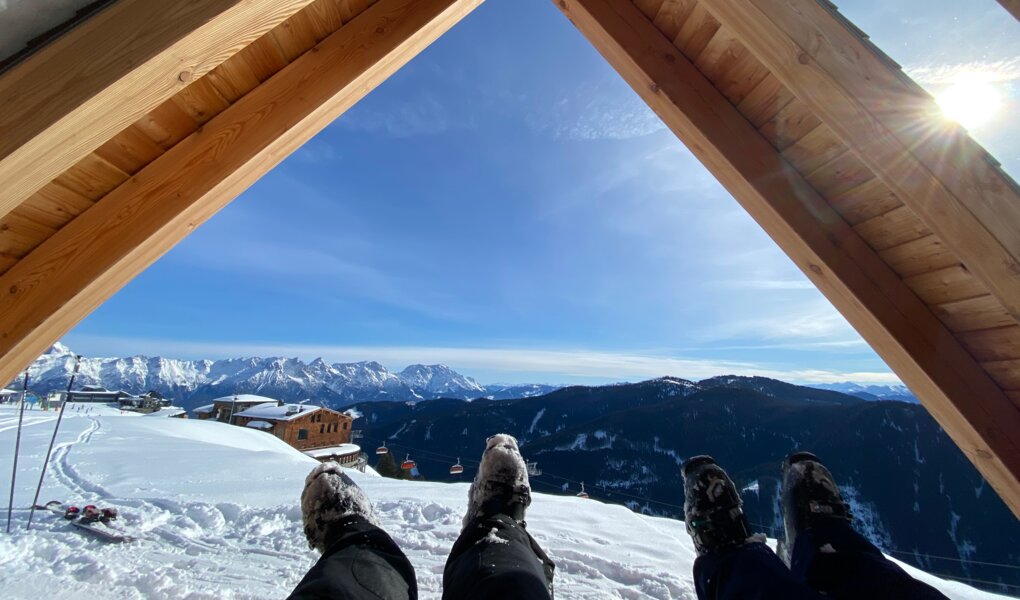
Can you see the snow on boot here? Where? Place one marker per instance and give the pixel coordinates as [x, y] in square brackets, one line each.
[712, 506]
[809, 495]
[501, 486]
[328, 497]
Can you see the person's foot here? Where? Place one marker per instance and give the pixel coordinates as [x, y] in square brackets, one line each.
[712, 506]
[810, 496]
[501, 486]
[330, 496]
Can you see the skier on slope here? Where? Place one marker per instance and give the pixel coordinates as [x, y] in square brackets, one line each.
[494, 558]
[827, 558]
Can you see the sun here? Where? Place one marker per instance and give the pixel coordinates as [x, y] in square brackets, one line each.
[970, 102]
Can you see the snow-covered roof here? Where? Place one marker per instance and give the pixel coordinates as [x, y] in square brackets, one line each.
[341, 450]
[7, 392]
[259, 425]
[207, 408]
[274, 412]
[245, 399]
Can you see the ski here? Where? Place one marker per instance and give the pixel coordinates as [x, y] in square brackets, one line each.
[98, 527]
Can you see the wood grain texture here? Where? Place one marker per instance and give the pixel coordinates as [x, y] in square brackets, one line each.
[919, 256]
[79, 91]
[898, 226]
[894, 127]
[1013, 6]
[87, 261]
[972, 314]
[900, 327]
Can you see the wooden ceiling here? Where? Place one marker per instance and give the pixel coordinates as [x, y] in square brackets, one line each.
[906, 225]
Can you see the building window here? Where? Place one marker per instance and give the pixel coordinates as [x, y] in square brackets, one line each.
[346, 424]
[302, 434]
[322, 429]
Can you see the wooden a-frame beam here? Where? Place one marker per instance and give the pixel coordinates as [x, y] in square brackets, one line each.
[77, 92]
[49, 291]
[894, 127]
[1013, 6]
[897, 324]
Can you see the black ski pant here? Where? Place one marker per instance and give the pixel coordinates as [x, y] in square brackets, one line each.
[828, 562]
[494, 558]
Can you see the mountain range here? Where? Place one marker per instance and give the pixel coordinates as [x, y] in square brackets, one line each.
[911, 490]
[190, 383]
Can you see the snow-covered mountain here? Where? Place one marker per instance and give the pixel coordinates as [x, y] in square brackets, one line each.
[190, 382]
[871, 391]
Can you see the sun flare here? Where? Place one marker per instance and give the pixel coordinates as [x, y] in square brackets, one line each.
[970, 102]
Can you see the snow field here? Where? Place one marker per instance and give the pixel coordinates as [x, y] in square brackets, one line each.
[216, 510]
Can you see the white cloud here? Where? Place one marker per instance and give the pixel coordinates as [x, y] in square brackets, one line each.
[998, 71]
[554, 364]
[604, 110]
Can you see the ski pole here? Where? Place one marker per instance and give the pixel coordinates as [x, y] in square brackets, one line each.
[63, 403]
[17, 447]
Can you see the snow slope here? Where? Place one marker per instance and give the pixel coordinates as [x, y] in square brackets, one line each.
[216, 511]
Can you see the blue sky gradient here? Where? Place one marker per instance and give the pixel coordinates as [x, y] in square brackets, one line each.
[507, 205]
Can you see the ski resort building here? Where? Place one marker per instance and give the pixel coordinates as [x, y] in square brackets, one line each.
[131, 125]
[223, 409]
[304, 427]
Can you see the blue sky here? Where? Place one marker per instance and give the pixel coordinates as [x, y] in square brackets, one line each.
[507, 205]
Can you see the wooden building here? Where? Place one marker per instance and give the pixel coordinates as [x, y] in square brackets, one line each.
[125, 132]
[302, 426]
[223, 408]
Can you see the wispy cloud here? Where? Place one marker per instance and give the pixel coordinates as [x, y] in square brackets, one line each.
[601, 110]
[998, 71]
[511, 363]
[419, 113]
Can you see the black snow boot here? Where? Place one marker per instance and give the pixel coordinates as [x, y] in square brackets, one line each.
[810, 496]
[712, 506]
[501, 486]
[329, 497]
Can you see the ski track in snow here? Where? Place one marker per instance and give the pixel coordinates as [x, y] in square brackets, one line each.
[216, 511]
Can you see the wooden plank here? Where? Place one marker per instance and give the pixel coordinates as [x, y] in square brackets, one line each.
[167, 124]
[908, 336]
[893, 125]
[841, 175]
[19, 234]
[1000, 343]
[87, 261]
[866, 201]
[919, 256]
[1007, 373]
[263, 57]
[83, 88]
[722, 53]
[737, 82]
[765, 101]
[352, 8]
[817, 148]
[972, 314]
[945, 285]
[697, 30]
[130, 150]
[295, 36]
[1012, 395]
[92, 177]
[896, 227]
[201, 100]
[792, 122]
[649, 7]
[672, 15]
